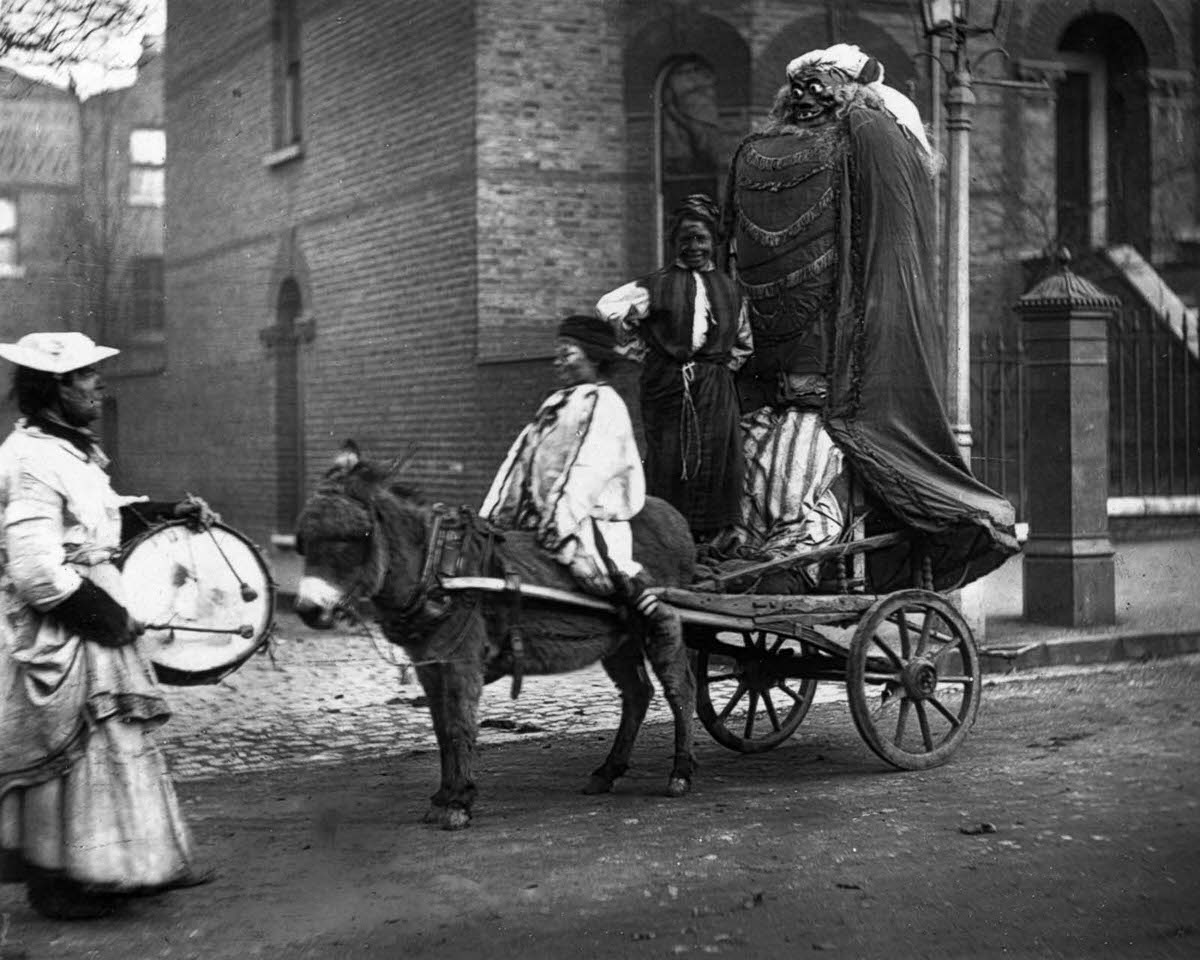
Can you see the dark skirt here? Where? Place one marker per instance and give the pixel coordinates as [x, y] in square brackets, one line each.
[694, 450]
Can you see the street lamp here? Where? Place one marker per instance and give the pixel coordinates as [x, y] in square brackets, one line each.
[956, 21]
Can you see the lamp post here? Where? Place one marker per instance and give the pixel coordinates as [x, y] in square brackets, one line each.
[952, 20]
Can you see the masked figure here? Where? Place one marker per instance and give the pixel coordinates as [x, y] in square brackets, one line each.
[831, 218]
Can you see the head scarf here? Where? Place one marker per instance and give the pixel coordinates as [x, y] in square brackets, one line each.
[697, 206]
[864, 69]
[595, 336]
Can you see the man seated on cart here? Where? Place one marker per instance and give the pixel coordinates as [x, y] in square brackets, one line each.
[830, 212]
[574, 477]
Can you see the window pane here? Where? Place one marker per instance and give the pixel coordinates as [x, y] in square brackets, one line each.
[148, 293]
[147, 186]
[8, 215]
[148, 147]
[8, 252]
[690, 121]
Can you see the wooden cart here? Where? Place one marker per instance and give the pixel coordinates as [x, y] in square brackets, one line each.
[909, 662]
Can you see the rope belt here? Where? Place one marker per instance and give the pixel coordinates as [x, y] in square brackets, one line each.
[689, 427]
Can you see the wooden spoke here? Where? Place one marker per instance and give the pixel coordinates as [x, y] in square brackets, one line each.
[770, 705]
[750, 714]
[951, 719]
[897, 662]
[923, 720]
[926, 630]
[905, 643]
[734, 700]
[902, 719]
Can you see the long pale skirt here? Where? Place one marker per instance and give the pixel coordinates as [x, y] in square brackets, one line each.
[112, 820]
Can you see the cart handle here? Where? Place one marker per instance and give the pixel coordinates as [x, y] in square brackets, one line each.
[808, 556]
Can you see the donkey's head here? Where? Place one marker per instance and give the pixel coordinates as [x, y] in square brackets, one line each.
[362, 535]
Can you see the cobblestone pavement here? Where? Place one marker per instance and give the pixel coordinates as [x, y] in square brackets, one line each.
[330, 697]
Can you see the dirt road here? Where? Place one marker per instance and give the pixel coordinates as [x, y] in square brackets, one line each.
[1067, 826]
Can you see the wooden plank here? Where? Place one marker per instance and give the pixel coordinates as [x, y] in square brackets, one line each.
[496, 585]
[755, 607]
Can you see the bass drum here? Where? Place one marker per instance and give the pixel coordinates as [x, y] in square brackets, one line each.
[206, 597]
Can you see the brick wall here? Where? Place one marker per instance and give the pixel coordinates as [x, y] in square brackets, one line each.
[378, 213]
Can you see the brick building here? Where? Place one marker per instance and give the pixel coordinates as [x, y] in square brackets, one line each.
[377, 210]
[81, 200]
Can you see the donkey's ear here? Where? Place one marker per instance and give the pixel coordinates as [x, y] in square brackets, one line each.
[396, 466]
[347, 458]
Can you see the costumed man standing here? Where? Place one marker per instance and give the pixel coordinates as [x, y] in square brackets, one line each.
[687, 326]
[574, 476]
[830, 216]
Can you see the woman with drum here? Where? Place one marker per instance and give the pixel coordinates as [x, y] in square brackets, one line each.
[88, 812]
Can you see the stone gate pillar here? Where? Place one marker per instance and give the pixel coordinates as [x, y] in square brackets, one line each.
[1068, 565]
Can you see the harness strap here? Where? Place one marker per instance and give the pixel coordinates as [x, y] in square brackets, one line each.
[516, 639]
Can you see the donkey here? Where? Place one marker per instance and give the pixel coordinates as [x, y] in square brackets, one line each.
[363, 534]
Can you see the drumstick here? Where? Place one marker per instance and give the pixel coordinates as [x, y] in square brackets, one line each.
[248, 592]
[245, 630]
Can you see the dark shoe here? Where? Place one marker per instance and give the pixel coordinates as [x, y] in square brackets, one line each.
[194, 877]
[59, 898]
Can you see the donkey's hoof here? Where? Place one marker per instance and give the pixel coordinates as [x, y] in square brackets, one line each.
[678, 787]
[598, 784]
[455, 818]
[435, 814]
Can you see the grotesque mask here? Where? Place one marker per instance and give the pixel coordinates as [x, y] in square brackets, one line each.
[813, 99]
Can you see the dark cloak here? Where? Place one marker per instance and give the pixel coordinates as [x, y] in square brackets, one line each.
[886, 368]
[708, 492]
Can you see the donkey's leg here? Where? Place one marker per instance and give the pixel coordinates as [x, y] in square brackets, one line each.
[430, 678]
[668, 658]
[624, 666]
[453, 691]
[463, 686]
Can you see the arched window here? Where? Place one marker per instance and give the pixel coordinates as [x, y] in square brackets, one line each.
[289, 423]
[1103, 120]
[688, 138]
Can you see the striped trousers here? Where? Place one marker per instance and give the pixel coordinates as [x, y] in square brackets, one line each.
[794, 491]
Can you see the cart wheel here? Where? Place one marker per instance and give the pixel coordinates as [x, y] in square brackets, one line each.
[746, 699]
[913, 679]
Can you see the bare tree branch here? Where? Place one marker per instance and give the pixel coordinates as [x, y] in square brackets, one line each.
[58, 33]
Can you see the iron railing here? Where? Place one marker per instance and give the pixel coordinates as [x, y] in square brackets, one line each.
[1154, 406]
[999, 399]
[1154, 409]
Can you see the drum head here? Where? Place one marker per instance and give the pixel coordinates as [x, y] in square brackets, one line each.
[206, 596]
